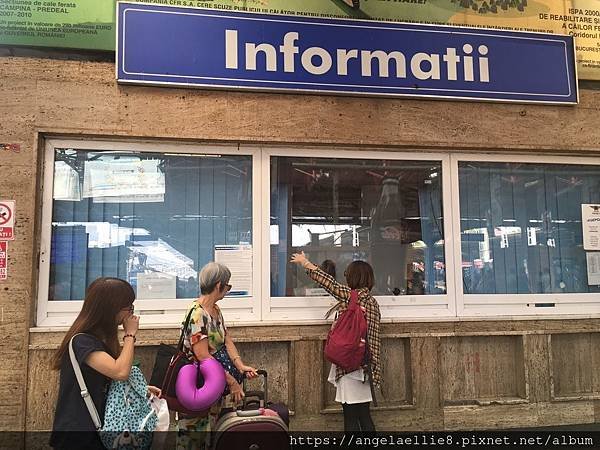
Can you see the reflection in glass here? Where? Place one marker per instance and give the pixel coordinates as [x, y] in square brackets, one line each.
[152, 219]
[521, 227]
[388, 213]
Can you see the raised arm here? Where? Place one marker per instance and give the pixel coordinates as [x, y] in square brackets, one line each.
[340, 291]
[117, 369]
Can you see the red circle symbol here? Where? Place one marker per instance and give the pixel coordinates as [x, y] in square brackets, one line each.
[5, 214]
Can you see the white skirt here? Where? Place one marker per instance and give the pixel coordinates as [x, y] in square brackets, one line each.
[351, 388]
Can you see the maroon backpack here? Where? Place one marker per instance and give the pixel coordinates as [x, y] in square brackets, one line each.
[346, 341]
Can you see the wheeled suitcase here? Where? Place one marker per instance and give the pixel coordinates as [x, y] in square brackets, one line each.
[247, 428]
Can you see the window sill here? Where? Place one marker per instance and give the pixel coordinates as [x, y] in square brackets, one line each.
[288, 323]
[151, 335]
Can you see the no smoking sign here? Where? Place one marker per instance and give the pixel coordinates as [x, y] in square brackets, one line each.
[7, 220]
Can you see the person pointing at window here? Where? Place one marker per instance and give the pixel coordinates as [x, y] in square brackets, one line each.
[354, 390]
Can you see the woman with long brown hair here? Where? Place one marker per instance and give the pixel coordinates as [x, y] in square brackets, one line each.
[353, 389]
[108, 303]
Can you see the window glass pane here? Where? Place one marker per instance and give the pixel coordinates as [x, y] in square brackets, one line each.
[152, 219]
[388, 213]
[521, 227]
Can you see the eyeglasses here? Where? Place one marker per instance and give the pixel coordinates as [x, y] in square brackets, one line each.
[228, 287]
[129, 308]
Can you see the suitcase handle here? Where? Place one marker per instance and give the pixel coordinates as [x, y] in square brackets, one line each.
[261, 395]
[249, 413]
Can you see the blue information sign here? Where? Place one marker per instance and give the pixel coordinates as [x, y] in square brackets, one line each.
[217, 49]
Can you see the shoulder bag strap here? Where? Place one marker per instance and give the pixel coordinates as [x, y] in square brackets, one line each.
[369, 368]
[89, 403]
[183, 330]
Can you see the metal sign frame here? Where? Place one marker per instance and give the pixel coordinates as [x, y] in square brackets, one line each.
[189, 54]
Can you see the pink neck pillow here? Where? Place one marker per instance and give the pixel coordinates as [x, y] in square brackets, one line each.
[200, 399]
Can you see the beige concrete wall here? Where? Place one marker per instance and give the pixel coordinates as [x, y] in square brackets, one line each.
[438, 375]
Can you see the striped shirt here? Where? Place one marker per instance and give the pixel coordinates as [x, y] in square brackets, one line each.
[370, 305]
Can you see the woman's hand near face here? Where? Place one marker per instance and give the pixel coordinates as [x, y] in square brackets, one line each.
[131, 323]
[119, 368]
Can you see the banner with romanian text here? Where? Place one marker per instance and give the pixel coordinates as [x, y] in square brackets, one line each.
[90, 24]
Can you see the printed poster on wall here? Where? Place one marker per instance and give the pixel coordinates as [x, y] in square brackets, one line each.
[593, 268]
[121, 179]
[89, 24]
[84, 24]
[238, 258]
[590, 221]
[152, 285]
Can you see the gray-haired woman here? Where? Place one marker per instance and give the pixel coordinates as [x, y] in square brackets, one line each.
[205, 335]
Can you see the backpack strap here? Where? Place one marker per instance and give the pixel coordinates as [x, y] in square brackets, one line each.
[354, 296]
[89, 403]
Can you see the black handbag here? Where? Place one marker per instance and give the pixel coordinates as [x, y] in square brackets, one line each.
[169, 361]
[222, 356]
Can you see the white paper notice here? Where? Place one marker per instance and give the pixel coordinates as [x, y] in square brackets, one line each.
[238, 258]
[593, 268]
[156, 285]
[316, 292]
[123, 178]
[590, 221]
